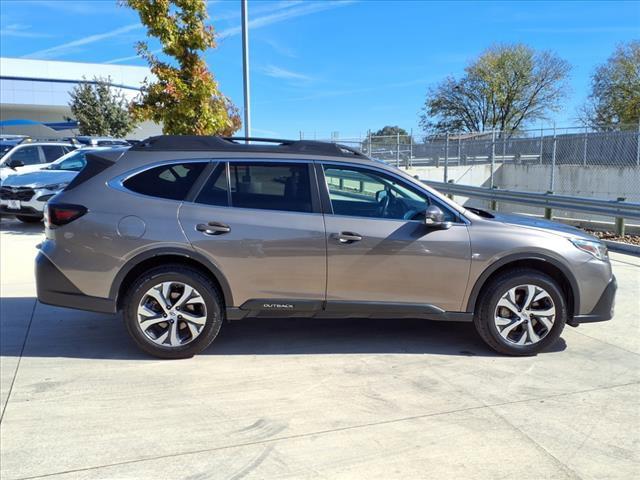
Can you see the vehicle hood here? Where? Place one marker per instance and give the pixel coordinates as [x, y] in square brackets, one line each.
[39, 178]
[541, 224]
[6, 172]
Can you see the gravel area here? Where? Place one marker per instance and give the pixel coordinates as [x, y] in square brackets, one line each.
[631, 239]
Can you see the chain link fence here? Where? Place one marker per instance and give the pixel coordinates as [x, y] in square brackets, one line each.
[594, 163]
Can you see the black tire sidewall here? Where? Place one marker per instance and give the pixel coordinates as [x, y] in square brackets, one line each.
[495, 293]
[28, 219]
[184, 275]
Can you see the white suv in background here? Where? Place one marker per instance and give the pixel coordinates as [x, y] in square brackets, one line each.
[26, 194]
[30, 156]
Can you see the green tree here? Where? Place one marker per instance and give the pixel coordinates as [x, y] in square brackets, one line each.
[385, 139]
[614, 101]
[507, 87]
[185, 97]
[100, 110]
[388, 135]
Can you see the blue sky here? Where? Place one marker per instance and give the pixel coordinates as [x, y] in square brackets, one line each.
[345, 67]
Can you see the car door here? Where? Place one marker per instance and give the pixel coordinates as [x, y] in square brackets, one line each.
[261, 224]
[380, 253]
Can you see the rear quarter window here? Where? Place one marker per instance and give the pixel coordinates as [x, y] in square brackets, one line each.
[172, 181]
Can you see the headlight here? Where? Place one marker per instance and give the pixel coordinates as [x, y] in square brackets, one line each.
[594, 247]
[55, 186]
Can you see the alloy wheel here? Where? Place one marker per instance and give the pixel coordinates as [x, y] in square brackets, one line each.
[525, 314]
[172, 314]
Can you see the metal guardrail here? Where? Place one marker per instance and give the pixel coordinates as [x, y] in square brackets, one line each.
[608, 208]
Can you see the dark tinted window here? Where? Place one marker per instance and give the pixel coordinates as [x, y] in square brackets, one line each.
[27, 155]
[167, 181]
[215, 191]
[53, 152]
[271, 186]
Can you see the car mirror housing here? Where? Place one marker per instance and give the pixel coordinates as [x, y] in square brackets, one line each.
[15, 163]
[434, 218]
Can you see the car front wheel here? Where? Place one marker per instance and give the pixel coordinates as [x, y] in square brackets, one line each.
[173, 312]
[521, 312]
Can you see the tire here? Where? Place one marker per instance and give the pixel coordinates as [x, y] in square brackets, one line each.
[29, 219]
[182, 341]
[491, 319]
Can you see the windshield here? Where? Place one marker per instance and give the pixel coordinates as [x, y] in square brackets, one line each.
[74, 161]
[5, 148]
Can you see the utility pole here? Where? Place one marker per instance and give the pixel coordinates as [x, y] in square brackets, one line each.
[245, 68]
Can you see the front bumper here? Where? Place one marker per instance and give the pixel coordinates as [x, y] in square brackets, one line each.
[31, 207]
[55, 289]
[603, 310]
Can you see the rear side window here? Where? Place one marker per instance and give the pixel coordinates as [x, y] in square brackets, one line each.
[271, 186]
[53, 152]
[172, 181]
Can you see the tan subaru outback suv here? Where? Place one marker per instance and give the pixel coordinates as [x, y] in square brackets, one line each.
[180, 233]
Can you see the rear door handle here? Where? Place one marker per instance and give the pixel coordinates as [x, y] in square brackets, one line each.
[213, 228]
[349, 237]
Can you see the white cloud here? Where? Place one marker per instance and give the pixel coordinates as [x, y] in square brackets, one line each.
[280, 48]
[288, 10]
[277, 72]
[74, 7]
[60, 50]
[351, 91]
[304, 9]
[22, 31]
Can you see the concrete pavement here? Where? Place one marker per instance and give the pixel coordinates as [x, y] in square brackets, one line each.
[311, 398]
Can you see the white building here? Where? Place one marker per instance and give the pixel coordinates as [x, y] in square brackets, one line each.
[38, 90]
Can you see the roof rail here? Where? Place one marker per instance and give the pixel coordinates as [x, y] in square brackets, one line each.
[237, 144]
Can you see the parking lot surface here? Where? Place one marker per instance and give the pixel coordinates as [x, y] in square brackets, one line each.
[311, 398]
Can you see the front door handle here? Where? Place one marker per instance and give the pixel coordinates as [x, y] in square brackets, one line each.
[213, 228]
[349, 237]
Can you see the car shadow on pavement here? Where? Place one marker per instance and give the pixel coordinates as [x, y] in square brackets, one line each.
[14, 226]
[59, 332]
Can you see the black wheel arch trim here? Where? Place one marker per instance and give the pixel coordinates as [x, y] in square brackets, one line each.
[171, 251]
[484, 276]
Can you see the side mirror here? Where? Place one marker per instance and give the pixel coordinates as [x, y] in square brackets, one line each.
[434, 218]
[15, 163]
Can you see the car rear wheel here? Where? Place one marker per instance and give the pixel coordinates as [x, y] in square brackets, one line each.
[173, 312]
[29, 219]
[521, 312]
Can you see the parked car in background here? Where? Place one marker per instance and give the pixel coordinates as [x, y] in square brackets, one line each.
[101, 141]
[7, 143]
[27, 156]
[183, 232]
[9, 136]
[25, 194]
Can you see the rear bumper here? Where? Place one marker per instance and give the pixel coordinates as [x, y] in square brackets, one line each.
[604, 308]
[55, 289]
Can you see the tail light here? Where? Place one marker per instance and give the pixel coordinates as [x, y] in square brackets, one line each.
[57, 214]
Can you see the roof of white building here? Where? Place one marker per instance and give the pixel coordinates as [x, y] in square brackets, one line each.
[124, 76]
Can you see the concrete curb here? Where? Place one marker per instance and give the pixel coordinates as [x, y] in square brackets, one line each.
[622, 247]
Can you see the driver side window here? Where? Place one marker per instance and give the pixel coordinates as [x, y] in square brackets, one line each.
[366, 193]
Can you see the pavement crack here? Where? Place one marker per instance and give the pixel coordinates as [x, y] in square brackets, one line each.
[15, 375]
[333, 430]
